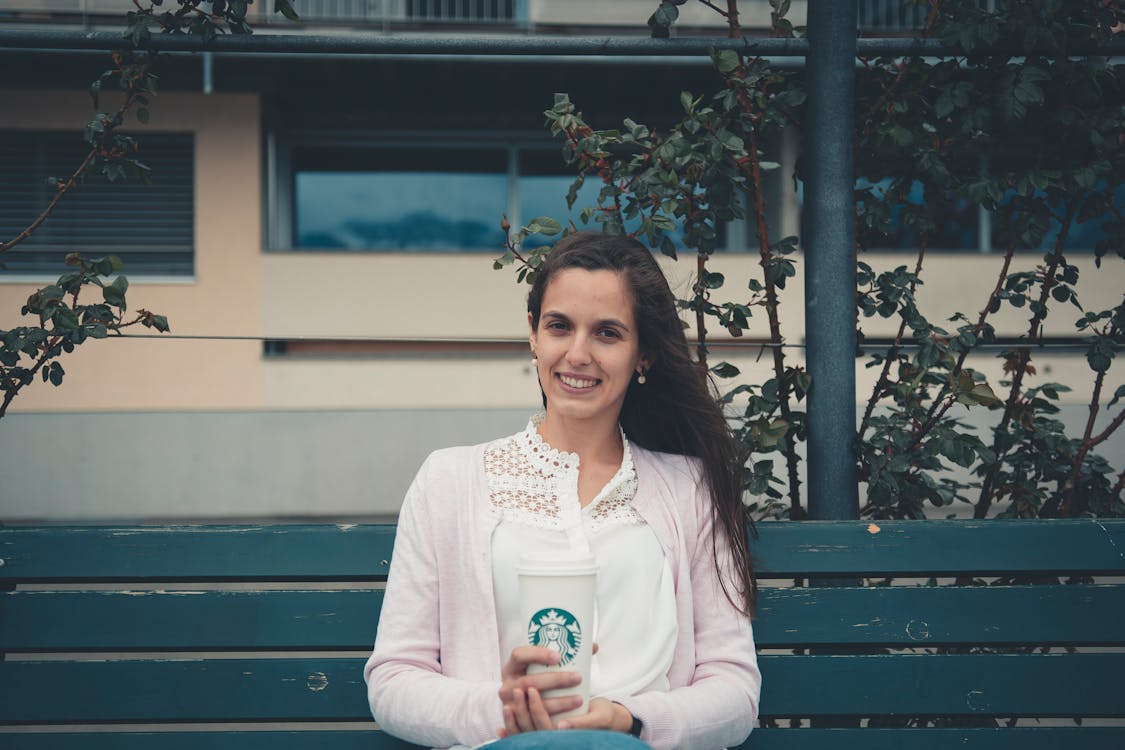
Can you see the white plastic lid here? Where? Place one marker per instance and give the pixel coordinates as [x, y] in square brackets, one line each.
[558, 566]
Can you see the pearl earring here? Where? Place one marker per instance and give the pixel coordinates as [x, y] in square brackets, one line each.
[641, 377]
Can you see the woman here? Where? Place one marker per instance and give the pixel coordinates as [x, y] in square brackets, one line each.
[634, 459]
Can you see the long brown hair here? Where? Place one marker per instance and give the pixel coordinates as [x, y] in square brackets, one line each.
[675, 411]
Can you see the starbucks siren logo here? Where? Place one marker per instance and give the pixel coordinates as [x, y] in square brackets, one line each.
[556, 629]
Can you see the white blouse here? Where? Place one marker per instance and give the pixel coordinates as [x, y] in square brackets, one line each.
[535, 489]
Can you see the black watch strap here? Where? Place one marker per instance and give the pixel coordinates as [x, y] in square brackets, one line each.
[638, 725]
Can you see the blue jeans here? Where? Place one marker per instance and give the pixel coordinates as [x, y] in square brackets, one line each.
[570, 739]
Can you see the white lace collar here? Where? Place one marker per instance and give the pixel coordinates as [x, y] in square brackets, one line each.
[532, 483]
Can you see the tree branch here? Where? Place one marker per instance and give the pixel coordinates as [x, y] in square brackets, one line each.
[1024, 356]
[892, 353]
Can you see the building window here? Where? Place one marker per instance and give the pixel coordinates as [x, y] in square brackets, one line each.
[404, 199]
[408, 11]
[388, 195]
[150, 227]
[961, 226]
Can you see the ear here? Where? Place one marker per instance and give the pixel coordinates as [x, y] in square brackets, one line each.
[531, 332]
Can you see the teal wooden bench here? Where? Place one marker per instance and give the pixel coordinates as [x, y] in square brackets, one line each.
[247, 637]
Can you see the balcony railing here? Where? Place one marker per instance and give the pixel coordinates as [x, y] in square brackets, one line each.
[897, 17]
[365, 12]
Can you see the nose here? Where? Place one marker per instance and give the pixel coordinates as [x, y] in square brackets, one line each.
[579, 351]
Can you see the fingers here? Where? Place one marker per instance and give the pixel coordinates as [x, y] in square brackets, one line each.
[524, 656]
[543, 681]
[521, 714]
[527, 710]
[540, 717]
[600, 716]
[562, 703]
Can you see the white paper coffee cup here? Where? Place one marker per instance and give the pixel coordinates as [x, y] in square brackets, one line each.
[557, 609]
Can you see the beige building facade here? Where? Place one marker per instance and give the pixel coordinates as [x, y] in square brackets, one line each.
[311, 381]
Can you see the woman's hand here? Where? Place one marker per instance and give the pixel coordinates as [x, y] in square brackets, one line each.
[525, 709]
[603, 714]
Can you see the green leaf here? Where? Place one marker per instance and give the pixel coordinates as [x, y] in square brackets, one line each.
[725, 370]
[544, 225]
[286, 9]
[142, 115]
[713, 279]
[114, 294]
[725, 60]
[65, 319]
[730, 141]
[982, 394]
[667, 247]
[661, 21]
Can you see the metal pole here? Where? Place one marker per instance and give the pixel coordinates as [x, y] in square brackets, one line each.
[830, 277]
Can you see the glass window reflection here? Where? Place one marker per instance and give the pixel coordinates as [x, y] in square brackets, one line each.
[404, 199]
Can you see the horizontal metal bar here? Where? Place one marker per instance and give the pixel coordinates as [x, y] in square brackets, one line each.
[503, 45]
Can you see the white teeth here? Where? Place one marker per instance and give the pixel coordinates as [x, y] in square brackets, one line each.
[577, 383]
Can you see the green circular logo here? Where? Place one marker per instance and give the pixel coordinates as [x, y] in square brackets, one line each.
[556, 629]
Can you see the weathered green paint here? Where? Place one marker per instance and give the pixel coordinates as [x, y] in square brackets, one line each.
[244, 739]
[214, 690]
[1019, 738]
[1015, 738]
[362, 552]
[1041, 685]
[907, 616]
[189, 620]
[331, 688]
[991, 547]
[341, 620]
[264, 671]
[346, 552]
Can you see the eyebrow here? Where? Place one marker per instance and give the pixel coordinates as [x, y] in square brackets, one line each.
[614, 322]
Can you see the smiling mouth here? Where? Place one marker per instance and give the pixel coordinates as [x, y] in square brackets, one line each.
[578, 382]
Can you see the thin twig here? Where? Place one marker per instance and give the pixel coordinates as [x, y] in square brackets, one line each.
[765, 254]
[59, 193]
[717, 9]
[881, 382]
[984, 502]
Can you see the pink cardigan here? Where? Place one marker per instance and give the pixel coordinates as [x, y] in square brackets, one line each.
[435, 671]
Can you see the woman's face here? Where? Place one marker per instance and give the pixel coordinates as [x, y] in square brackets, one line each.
[587, 344]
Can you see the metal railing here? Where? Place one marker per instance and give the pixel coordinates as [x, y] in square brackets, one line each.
[469, 13]
[454, 12]
[896, 17]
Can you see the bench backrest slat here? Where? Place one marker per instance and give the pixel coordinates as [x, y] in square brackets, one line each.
[347, 619]
[331, 688]
[346, 552]
[363, 552]
[943, 684]
[940, 548]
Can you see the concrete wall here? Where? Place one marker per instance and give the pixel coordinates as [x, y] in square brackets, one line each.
[239, 465]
